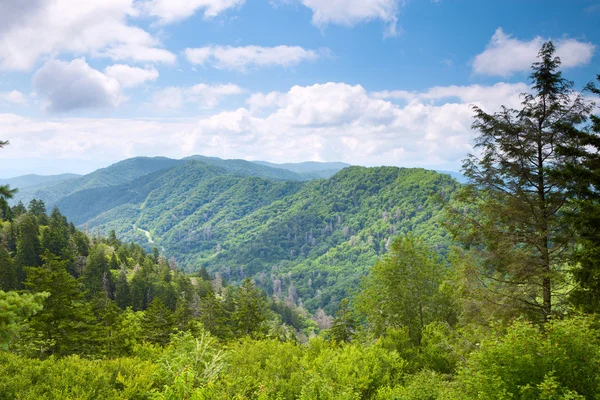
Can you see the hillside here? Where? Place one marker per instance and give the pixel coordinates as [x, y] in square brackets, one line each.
[306, 241]
[309, 242]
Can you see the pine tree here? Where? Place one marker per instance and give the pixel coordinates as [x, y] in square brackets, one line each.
[158, 323]
[122, 291]
[96, 275]
[344, 324]
[250, 310]
[516, 204]
[28, 246]
[582, 178]
[8, 272]
[64, 325]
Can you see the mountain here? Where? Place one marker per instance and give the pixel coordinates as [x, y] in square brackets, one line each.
[30, 180]
[307, 242]
[116, 174]
[249, 168]
[309, 169]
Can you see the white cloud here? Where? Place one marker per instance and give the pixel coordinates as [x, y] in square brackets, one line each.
[129, 76]
[505, 55]
[168, 11]
[73, 85]
[507, 94]
[206, 96]
[325, 122]
[352, 12]
[13, 97]
[241, 58]
[97, 28]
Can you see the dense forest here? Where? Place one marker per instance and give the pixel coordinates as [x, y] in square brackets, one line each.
[374, 283]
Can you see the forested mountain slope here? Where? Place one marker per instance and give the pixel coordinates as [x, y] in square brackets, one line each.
[309, 242]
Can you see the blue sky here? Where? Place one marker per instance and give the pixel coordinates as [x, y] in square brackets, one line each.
[370, 82]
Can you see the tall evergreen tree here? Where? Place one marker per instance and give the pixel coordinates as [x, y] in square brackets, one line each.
[158, 323]
[37, 208]
[517, 227]
[250, 310]
[582, 177]
[122, 291]
[28, 245]
[8, 273]
[57, 237]
[96, 276]
[64, 325]
[344, 323]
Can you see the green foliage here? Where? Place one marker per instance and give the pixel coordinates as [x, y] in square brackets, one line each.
[64, 325]
[515, 201]
[250, 308]
[528, 363]
[75, 378]
[344, 324]
[403, 290]
[15, 308]
[158, 323]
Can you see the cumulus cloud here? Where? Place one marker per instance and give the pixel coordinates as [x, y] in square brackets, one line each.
[241, 58]
[13, 97]
[505, 55]
[507, 94]
[324, 122]
[352, 12]
[168, 11]
[72, 85]
[98, 28]
[129, 76]
[206, 96]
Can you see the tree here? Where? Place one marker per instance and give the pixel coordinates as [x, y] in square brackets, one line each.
[15, 308]
[56, 238]
[403, 290]
[64, 325]
[514, 202]
[28, 245]
[122, 291]
[344, 324]
[96, 275]
[582, 176]
[6, 193]
[158, 323]
[8, 273]
[250, 309]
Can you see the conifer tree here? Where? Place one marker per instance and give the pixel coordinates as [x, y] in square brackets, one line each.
[582, 178]
[28, 245]
[64, 325]
[344, 323]
[122, 291]
[517, 203]
[250, 310]
[8, 273]
[158, 323]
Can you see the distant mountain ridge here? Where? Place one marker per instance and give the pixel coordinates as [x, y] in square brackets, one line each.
[26, 181]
